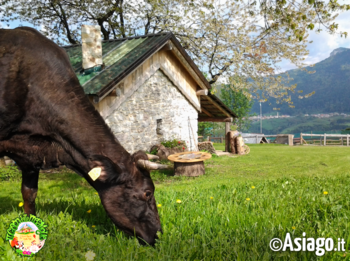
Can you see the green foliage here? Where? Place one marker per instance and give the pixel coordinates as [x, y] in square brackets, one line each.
[233, 127]
[154, 152]
[239, 104]
[215, 221]
[9, 173]
[346, 131]
[204, 128]
[174, 143]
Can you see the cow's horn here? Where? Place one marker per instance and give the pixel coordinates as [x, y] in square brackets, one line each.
[146, 164]
[152, 157]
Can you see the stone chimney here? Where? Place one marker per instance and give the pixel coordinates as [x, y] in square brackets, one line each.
[92, 46]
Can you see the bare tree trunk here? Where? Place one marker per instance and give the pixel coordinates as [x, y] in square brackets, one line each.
[191, 169]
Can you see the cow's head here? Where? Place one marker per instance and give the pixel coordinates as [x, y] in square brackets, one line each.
[127, 194]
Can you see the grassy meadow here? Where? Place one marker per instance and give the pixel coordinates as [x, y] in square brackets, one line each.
[230, 213]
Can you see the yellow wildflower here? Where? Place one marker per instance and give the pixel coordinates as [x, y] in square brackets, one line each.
[159, 205]
[211, 197]
[293, 227]
[253, 187]
[325, 193]
[20, 204]
[90, 255]
[93, 226]
[89, 211]
[96, 193]
[247, 199]
[178, 201]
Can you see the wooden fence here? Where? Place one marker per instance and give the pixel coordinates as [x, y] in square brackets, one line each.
[334, 139]
[213, 139]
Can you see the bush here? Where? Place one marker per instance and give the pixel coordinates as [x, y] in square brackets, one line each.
[9, 172]
[174, 144]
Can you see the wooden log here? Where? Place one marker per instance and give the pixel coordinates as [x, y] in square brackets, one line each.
[240, 144]
[233, 142]
[202, 92]
[191, 169]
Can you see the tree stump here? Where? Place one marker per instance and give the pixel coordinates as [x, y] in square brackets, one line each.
[240, 144]
[189, 163]
[190, 169]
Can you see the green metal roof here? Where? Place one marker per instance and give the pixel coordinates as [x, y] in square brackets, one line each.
[120, 57]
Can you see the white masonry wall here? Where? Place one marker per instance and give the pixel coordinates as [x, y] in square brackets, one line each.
[134, 122]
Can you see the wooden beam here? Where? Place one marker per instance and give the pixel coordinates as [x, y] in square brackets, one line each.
[202, 92]
[187, 66]
[167, 47]
[113, 93]
[206, 112]
[218, 106]
[215, 119]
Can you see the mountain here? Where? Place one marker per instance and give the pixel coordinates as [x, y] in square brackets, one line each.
[331, 83]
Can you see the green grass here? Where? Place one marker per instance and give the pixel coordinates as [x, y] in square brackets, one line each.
[289, 192]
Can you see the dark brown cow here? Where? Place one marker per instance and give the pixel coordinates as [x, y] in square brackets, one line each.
[46, 121]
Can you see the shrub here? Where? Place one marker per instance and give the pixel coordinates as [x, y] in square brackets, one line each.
[174, 144]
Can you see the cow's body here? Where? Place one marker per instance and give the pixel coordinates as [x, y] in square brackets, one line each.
[46, 121]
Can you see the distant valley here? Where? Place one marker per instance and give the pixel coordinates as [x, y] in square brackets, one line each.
[331, 83]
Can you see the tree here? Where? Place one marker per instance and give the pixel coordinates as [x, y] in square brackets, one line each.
[239, 104]
[240, 38]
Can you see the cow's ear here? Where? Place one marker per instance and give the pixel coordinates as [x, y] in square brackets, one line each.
[102, 168]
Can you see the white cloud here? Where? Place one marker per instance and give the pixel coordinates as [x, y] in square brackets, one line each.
[324, 43]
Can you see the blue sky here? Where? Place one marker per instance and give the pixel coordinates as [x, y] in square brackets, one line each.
[323, 43]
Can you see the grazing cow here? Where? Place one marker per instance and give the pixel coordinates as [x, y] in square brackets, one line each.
[46, 121]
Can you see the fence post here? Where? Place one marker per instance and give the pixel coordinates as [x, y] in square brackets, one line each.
[347, 139]
[301, 139]
[324, 140]
[257, 142]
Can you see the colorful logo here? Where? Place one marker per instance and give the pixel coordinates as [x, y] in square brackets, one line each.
[27, 234]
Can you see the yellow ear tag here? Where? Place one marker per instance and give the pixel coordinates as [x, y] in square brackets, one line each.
[95, 173]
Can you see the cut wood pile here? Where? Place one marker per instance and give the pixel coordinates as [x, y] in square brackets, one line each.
[235, 143]
[163, 152]
[207, 146]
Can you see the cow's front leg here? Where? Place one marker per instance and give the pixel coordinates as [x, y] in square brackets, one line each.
[29, 189]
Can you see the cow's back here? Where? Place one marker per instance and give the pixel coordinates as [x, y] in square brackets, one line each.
[34, 72]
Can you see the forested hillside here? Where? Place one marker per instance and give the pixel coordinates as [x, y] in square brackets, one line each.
[331, 83]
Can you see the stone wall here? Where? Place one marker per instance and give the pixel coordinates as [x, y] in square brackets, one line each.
[156, 111]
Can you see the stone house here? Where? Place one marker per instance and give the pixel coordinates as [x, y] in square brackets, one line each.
[146, 88]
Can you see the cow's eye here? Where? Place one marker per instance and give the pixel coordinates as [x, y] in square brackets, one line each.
[148, 195]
